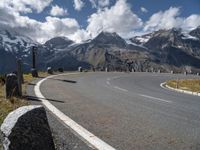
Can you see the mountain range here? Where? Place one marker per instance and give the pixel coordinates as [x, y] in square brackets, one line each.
[162, 50]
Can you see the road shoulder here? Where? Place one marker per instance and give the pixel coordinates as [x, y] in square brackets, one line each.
[63, 137]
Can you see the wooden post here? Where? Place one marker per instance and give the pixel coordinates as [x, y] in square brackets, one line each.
[33, 57]
[19, 76]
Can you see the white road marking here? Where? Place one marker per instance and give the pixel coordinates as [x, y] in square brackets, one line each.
[162, 85]
[179, 90]
[82, 132]
[124, 90]
[155, 98]
[107, 82]
[146, 96]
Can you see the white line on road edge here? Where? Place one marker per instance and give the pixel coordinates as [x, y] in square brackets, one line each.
[82, 132]
[159, 99]
[163, 85]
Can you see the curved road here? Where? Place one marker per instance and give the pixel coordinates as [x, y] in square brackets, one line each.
[128, 111]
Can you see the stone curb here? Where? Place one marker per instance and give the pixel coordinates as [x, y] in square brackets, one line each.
[163, 85]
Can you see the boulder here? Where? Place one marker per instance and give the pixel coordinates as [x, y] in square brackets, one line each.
[80, 69]
[27, 128]
[12, 88]
[60, 70]
[34, 73]
[49, 70]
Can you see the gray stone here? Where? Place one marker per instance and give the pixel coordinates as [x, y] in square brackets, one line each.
[34, 73]
[12, 88]
[80, 69]
[60, 70]
[49, 70]
[27, 128]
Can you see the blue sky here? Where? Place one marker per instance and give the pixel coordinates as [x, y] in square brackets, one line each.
[188, 7]
[80, 20]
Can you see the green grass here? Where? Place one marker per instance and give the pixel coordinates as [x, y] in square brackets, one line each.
[186, 84]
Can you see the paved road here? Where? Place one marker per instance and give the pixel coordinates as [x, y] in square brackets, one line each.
[128, 111]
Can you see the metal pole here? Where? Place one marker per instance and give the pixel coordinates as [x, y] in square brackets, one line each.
[19, 76]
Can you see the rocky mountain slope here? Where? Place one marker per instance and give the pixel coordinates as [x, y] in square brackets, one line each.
[161, 50]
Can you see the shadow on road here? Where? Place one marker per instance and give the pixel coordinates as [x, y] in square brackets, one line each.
[63, 80]
[31, 84]
[34, 98]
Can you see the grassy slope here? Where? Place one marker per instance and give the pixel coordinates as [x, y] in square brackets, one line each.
[7, 106]
[189, 84]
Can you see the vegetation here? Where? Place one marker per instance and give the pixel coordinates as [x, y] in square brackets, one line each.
[186, 84]
[13, 103]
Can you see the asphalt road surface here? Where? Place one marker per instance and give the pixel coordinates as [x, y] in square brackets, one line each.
[128, 110]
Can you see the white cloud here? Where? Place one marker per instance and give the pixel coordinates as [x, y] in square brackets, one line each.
[58, 11]
[103, 3]
[100, 4]
[119, 18]
[80, 35]
[26, 6]
[78, 5]
[191, 22]
[144, 10]
[164, 20]
[37, 30]
[170, 19]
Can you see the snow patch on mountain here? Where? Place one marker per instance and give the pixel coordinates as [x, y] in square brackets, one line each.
[188, 36]
[134, 44]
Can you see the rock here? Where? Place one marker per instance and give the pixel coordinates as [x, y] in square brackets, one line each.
[12, 88]
[34, 72]
[49, 70]
[60, 70]
[27, 128]
[80, 69]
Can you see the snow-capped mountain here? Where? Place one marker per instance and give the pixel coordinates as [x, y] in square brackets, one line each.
[195, 33]
[13, 46]
[58, 43]
[163, 50]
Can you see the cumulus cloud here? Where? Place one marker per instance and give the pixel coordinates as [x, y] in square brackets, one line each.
[80, 35]
[144, 10]
[26, 6]
[58, 11]
[191, 22]
[171, 19]
[119, 18]
[37, 30]
[100, 4]
[78, 5]
[167, 19]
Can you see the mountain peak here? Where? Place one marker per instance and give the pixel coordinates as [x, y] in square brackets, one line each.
[58, 42]
[107, 38]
